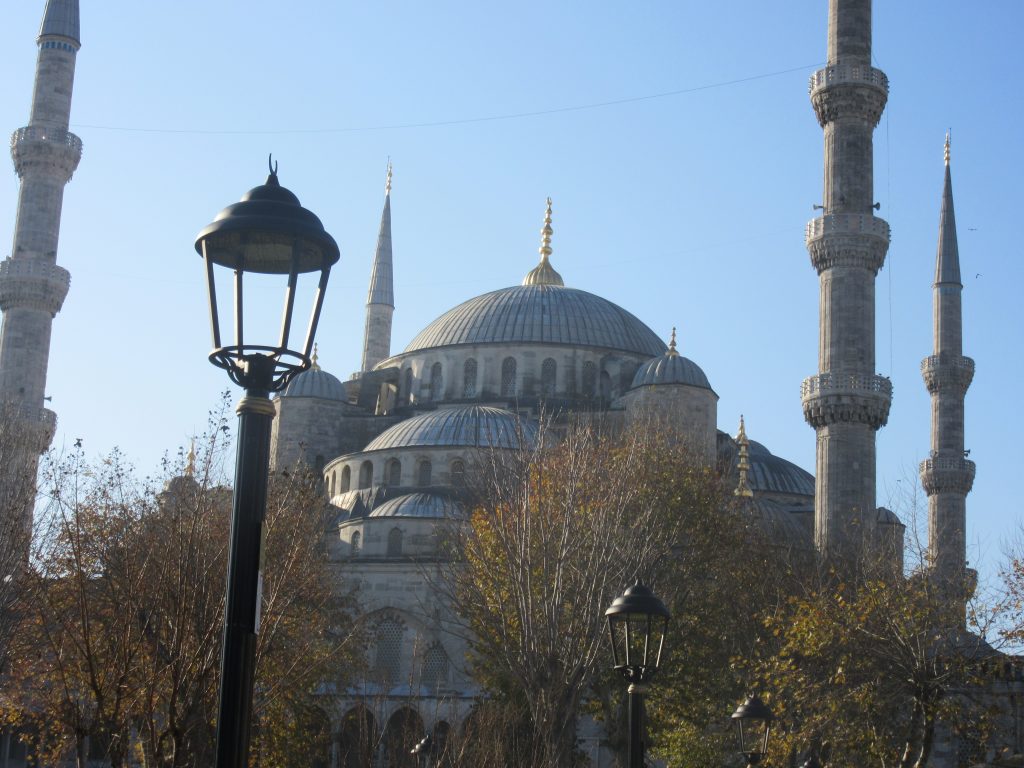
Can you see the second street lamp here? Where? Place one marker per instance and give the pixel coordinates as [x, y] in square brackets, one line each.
[268, 233]
[637, 623]
[753, 722]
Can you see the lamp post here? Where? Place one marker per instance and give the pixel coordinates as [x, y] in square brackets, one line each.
[266, 233]
[637, 624]
[753, 722]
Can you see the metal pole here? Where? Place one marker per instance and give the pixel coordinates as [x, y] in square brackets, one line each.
[636, 725]
[242, 601]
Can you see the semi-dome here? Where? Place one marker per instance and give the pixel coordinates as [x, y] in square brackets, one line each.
[419, 505]
[540, 314]
[316, 383]
[670, 368]
[774, 474]
[472, 426]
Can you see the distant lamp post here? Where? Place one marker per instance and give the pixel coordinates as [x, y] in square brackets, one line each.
[268, 233]
[422, 751]
[637, 624]
[753, 722]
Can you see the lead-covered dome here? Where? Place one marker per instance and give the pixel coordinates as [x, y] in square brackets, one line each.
[474, 426]
[670, 368]
[775, 474]
[545, 314]
[419, 505]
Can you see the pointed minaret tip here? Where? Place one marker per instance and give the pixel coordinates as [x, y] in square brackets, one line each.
[387, 181]
[946, 150]
[544, 273]
[61, 19]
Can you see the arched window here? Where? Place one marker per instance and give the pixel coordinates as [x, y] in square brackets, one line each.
[435, 667]
[388, 661]
[436, 383]
[589, 378]
[458, 473]
[570, 379]
[508, 377]
[331, 481]
[406, 394]
[423, 470]
[395, 542]
[548, 371]
[393, 473]
[346, 479]
[606, 386]
[356, 540]
[469, 378]
[366, 474]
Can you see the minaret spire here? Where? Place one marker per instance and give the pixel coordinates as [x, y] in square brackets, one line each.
[947, 475]
[847, 402]
[743, 465]
[380, 301]
[32, 285]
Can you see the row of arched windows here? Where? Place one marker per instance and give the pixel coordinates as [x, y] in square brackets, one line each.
[388, 656]
[392, 475]
[509, 385]
[395, 541]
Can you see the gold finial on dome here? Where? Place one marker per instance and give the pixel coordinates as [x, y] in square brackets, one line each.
[743, 486]
[315, 362]
[190, 460]
[672, 351]
[387, 181]
[544, 273]
[945, 152]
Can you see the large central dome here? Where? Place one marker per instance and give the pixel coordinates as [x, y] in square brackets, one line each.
[532, 314]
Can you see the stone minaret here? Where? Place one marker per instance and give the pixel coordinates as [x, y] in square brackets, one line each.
[380, 303]
[32, 286]
[947, 476]
[846, 402]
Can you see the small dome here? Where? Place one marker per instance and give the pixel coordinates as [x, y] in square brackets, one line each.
[316, 383]
[670, 368]
[474, 426]
[774, 474]
[419, 505]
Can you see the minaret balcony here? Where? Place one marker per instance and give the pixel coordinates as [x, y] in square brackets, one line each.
[33, 284]
[848, 90]
[852, 398]
[38, 148]
[947, 474]
[847, 240]
[947, 373]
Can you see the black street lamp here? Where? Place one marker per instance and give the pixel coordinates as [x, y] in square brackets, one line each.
[422, 751]
[753, 727]
[266, 233]
[637, 624]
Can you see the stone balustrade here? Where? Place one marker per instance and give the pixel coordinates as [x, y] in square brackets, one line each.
[847, 240]
[39, 133]
[847, 224]
[33, 283]
[947, 373]
[49, 150]
[854, 74]
[852, 398]
[947, 474]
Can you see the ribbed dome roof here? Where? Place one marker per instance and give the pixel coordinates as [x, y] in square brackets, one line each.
[549, 314]
[774, 474]
[419, 505]
[316, 383]
[670, 368]
[472, 426]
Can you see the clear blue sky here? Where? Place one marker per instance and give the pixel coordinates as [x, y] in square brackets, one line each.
[687, 209]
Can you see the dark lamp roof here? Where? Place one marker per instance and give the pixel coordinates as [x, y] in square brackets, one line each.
[471, 427]
[670, 368]
[427, 505]
[259, 233]
[638, 600]
[545, 314]
[316, 383]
